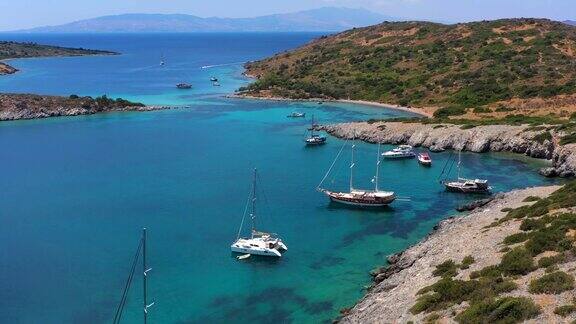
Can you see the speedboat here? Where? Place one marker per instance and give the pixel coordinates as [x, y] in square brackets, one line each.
[183, 86]
[259, 243]
[213, 79]
[297, 115]
[424, 159]
[400, 152]
[216, 84]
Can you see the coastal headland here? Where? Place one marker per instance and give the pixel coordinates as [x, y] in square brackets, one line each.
[489, 264]
[14, 50]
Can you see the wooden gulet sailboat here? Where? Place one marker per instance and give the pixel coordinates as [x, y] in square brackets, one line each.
[259, 243]
[464, 185]
[360, 197]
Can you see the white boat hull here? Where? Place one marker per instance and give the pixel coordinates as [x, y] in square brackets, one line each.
[369, 200]
[263, 252]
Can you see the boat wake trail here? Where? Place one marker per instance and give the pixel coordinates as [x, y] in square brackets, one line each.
[218, 65]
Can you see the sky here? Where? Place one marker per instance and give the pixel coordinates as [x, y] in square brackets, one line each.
[34, 13]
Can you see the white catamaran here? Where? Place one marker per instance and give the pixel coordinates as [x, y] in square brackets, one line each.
[360, 197]
[259, 243]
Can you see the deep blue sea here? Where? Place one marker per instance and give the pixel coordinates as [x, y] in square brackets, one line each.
[76, 191]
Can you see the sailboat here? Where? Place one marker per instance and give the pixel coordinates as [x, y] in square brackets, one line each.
[361, 197]
[464, 185]
[313, 138]
[259, 243]
[162, 63]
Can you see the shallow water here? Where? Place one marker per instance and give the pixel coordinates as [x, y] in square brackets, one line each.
[76, 191]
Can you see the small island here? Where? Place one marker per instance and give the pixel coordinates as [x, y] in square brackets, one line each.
[31, 106]
[14, 50]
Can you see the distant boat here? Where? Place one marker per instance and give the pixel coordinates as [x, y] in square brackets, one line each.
[424, 159]
[259, 243]
[162, 60]
[215, 84]
[464, 185]
[297, 115]
[400, 152]
[184, 86]
[213, 79]
[314, 139]
[360, 197]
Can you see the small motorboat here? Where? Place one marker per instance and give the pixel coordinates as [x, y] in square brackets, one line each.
[400, 152]
[215, 84]
[184, 86]
[424, 159]
[213, 79]
[297, 115]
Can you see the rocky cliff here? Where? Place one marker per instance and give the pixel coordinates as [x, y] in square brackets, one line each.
[537, 142]
[7, 69]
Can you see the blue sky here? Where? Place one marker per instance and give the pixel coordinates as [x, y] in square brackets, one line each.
[32, 13]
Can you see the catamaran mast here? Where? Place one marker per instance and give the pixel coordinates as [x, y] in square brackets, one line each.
[144, 274]
[253, 211]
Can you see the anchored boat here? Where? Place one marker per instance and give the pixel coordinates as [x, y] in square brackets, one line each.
[400, 152]
[259, 243]
[424, 159]
[314, 139]
[360, 197]
[183, 85]
[296, 115]
[464, 185]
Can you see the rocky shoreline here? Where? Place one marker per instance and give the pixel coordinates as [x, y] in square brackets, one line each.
[28, 106]
[395, 287]
[7, 69]
[438, 137]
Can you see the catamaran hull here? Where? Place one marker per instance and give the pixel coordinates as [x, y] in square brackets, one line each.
[265, 252]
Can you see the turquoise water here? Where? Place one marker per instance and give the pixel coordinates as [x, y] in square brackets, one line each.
[76, 192]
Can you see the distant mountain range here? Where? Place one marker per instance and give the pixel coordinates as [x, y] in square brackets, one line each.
[570, 22]
[322, 19]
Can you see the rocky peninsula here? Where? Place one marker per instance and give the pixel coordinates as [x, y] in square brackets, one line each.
[30, 106]
[14, 50]
[539, 142]
[429, 282]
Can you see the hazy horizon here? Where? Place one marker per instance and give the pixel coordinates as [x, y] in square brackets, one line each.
[34, 13]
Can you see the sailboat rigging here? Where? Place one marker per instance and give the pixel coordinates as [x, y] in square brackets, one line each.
[464, 185]
[360, 197]
[140, 250]
[259, 243]
[313, 138]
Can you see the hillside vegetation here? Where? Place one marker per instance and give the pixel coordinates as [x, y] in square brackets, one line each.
[481, 69]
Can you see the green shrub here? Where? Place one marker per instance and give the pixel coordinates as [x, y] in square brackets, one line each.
[532, 198]
[445, 269]
[541, 138]
[545, 262]
[449, 111]
[552, 283]
[516, 238]
[565, 310]
[517, 262]
[466, 262]
[530, 224]
[503, 310]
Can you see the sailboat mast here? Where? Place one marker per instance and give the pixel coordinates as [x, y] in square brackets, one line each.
[253, 212]
[312, 127]
[459, 160]
[377, 169]
[352, 168]
[144, 270]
